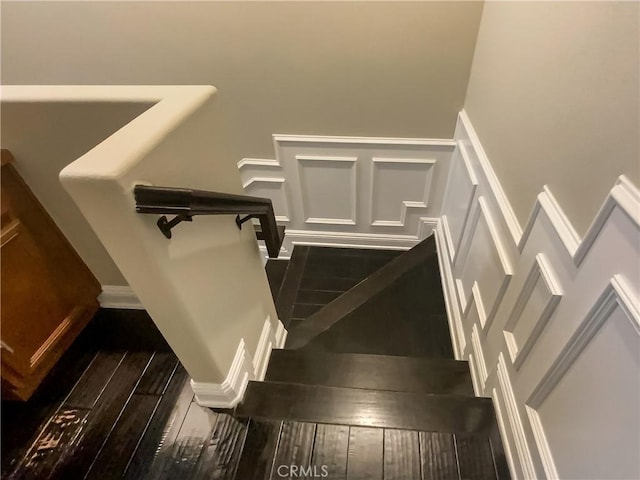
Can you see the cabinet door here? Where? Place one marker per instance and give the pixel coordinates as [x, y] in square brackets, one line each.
[48, 294]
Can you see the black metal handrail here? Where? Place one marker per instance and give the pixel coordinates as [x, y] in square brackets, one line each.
[185, 204]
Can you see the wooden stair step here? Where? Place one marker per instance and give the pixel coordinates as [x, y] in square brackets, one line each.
[367, 408]
[373, 372]
[326, 317]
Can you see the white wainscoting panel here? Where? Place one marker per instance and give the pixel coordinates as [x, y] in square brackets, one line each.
[389, 204]
[482, 262]
[538, 299]
[458, 199]
[549, 319]
[328, 188]
[352, 191]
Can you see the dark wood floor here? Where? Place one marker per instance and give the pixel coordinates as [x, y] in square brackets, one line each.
[119, 405]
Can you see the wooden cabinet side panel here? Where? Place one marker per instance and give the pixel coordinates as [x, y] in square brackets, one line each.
[48, 293]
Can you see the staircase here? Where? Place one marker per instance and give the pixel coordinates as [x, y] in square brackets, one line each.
[367, 387]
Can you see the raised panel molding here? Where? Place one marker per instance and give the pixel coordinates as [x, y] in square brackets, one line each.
[541, 291]
[399, 184]
[616, 295]
[459, 197]
[523, 304]
[483, 263]
[514, 419]
[328, 186]
[364, 192]
[273, 188]
[479, 355]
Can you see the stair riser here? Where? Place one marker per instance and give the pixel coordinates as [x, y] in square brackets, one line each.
[434, 413]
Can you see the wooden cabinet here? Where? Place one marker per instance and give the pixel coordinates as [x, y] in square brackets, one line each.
[47, 292]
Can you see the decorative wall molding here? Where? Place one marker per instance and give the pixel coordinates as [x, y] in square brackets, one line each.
[514, 419]
[245, 367]
[393, 141]
[540, 277]
[616, 295]
[483, 263]
[454, 312]
[477, 352]
[492, 179]
[364, 192]
[117, 296]
[317, 178]
[541, 298]
[459, 197]
[386, 195]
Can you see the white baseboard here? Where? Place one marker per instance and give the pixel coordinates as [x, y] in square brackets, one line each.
[117, 296]
[292, 238]
[245, 367]
[228, 393]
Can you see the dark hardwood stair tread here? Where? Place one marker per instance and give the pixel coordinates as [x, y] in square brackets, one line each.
[326, 317]
[374, 372]
[369, 408]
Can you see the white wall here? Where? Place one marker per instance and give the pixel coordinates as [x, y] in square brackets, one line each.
[46, 137]
[320, 68]
[554, 96]
[548, 320]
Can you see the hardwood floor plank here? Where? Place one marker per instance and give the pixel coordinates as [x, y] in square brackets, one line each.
[401, 455]
[319, 252]
[157, 375]
[94, 380]
[221, 454]
[335, 284]
[115, 454]
[256, 461]
[330, 449]
[22, 421]
[438, 456]
[337, 266]
[373, 372]
[316, 297]
[474, 457]
[190, 442]
[365, 457]
[304, 310]
[58, 436]
[127, 329]
[291, 283]
[76, 462]
[152, 452]
[294, 450]
[351, 406]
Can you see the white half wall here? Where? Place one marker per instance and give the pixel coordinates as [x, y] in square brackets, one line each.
[549, 321]
[365, 192]
[206, 288]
